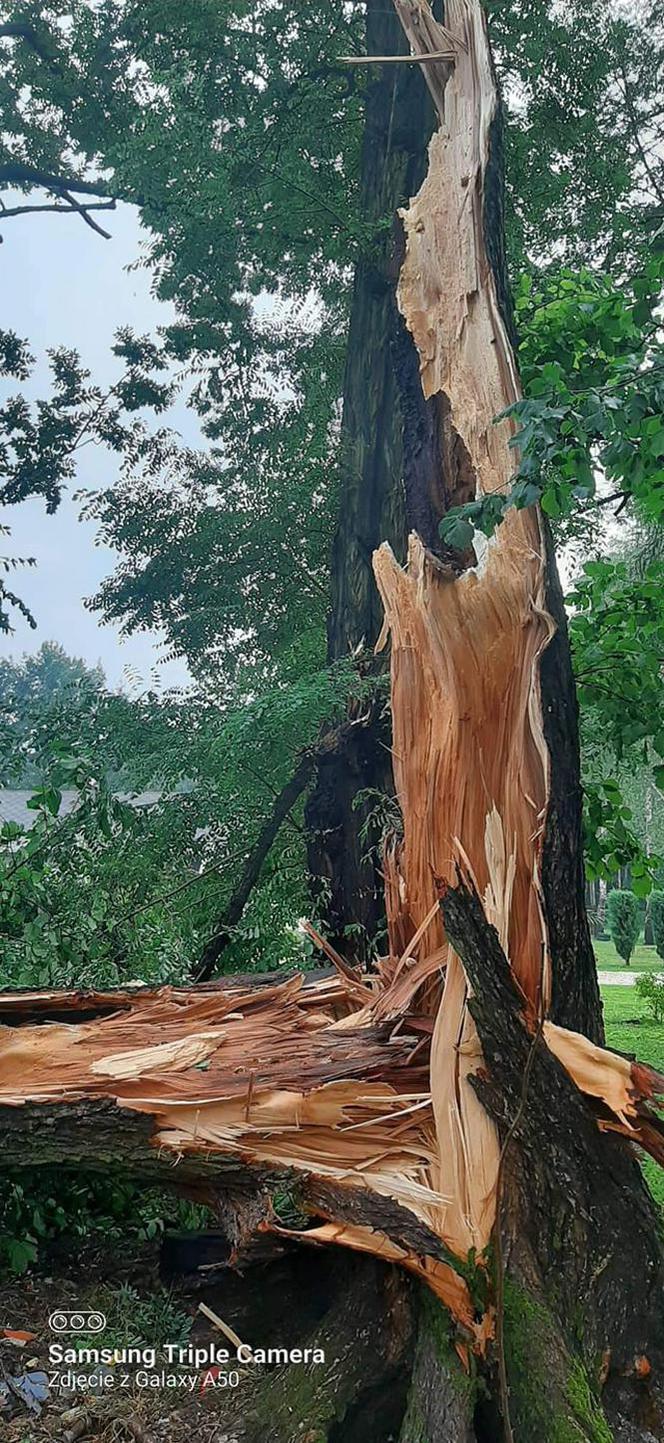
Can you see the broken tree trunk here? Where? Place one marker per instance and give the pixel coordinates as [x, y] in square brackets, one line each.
[453, 1111]
[373, 454]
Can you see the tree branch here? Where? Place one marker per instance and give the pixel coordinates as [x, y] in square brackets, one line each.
[6, 212]
[17, 30]
[283, 804]
[14, 173]
[635, 128]
[284, 801]
[83, 212]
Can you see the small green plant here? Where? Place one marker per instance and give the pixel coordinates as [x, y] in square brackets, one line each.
[18, 1232]
[657, 919]
[622, 915]
[134, 1319]
[42, 1205]
[650, 988]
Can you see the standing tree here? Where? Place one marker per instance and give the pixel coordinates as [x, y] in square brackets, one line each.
[454, 1113]
[657, 917]
[622, 913]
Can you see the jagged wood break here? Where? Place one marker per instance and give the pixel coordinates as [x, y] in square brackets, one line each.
[370, 1092]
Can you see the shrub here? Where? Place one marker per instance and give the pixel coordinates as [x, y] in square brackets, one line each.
[657, 919]
[43, 1205]
[622, 915]
[650, 988]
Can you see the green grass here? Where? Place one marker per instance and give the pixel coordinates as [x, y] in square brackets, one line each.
[644, 959]
[629, 1028]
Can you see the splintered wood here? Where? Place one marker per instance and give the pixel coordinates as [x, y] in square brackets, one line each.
[365, 1083]
[470, 760]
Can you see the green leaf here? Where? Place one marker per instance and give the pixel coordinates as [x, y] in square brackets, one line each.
[457, 531]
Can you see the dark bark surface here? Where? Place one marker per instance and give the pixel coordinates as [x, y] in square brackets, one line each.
[441, 1398]
[346, 880]
[398, 124]
[373, 485]
[575, 1000]
[580, 1230]
[358, 1312]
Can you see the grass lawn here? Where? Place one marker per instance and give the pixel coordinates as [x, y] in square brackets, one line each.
[629, 1028]
[644, 959]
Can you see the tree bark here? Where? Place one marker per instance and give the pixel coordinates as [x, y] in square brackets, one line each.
[578, 1224]
[575, 998]
[360, 1317]
[375, 460]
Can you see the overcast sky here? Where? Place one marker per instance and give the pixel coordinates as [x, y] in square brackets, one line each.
[64, 285]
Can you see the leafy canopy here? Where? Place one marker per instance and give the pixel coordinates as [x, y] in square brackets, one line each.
[237, 133]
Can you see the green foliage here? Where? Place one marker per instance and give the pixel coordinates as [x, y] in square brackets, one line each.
[617, 639]
[40, 442]
[622, 915]
[616, 633]
[261, 128]
[610, 839]
[227, 107]
[38, 1207]
[238, 135]
[36, 692]
[583, 87]
[650, 989]
[112, 892]
[593, 373]
[72, 889]
[657, 919]
[134, 1320]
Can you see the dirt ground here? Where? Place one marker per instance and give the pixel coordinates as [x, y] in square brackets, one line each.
[356, 1313]
[86, 1280]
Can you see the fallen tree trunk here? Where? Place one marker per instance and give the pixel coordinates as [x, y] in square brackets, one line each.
[239, 1087]
[453, 1111]
[266, 1116]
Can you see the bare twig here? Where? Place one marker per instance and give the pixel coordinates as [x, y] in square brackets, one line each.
[223, 1327]
[7, 211]
[335, 957]
[397, 59]
[83, 212]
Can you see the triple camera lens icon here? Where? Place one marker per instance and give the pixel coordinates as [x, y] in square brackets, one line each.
[76, 1321]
